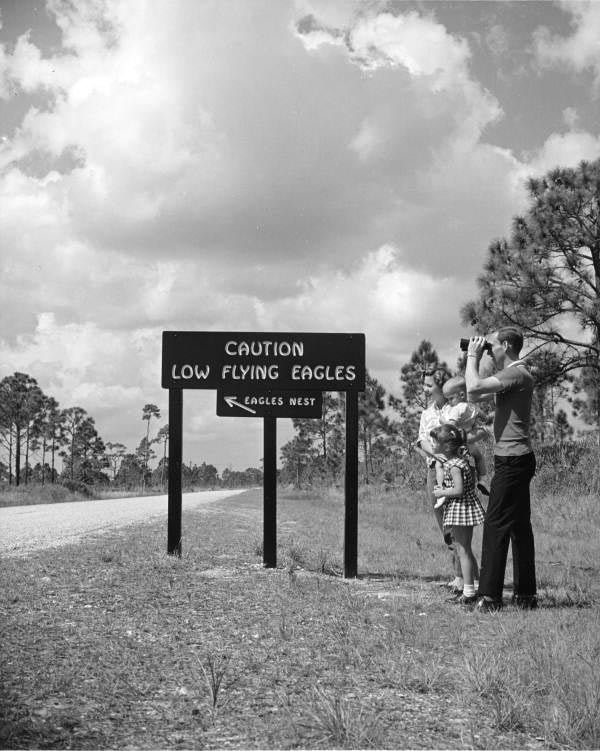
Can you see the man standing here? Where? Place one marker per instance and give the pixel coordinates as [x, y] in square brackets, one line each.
[508, 516]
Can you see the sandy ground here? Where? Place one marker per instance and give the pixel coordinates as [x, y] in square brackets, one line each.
[24, 529]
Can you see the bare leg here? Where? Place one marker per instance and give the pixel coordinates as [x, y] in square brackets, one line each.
[462, 537]
[439, 517]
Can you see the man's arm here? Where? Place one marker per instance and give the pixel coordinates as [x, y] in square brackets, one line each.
[478, 388]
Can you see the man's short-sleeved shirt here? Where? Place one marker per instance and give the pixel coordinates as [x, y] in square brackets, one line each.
[513, 411]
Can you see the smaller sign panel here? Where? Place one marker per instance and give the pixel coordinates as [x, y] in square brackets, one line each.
[238, 403]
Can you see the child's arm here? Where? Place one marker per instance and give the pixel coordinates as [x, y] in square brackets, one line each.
[457, 485]
[478, 435]
[439, 473]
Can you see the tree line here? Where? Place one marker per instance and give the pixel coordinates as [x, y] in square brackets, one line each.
[32, 424]
[545, 279]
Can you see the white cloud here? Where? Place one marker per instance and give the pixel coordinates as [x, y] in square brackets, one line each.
[112, 372]
[497, 40]
[419, 44]
[570, 116]
[381, 40]
[581, 49]
[561, 150]
[187, 175]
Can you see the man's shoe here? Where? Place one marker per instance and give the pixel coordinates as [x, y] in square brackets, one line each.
[486, 605]
[525, 602]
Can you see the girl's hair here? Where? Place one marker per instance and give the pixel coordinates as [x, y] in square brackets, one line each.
[440, 375]
[449, 436]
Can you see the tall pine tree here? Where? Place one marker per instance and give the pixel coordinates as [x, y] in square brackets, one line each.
[545, 279]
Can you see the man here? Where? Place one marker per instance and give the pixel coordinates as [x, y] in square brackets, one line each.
[508, 516]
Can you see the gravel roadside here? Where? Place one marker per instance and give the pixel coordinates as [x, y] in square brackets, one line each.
[24, 529]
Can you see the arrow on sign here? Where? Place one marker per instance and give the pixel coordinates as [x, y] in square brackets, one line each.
[231, 402]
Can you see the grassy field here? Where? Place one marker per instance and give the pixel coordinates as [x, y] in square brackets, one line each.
[36, 493]
[114, 644]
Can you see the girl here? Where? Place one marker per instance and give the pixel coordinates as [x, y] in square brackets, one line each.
[462, 510]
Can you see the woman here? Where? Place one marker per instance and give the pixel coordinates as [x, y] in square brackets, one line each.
[431, 418]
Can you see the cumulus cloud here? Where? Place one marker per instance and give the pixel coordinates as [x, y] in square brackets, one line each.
[112, 372]
[184, 174]
[171, 154]
[581, 49]
[560, 150]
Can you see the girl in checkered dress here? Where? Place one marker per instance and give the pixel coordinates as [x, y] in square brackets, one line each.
[462, 509]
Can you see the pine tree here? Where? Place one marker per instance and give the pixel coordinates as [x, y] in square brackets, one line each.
[297, 457]
[546, 278]
[326, 437]
[114, 454]
[413, 400]
[371, 421]
[20, 402]
[148, 412]
[163, 437]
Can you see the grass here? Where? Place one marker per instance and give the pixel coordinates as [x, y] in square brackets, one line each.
[33, 494]
[36, 493]
[112, 643]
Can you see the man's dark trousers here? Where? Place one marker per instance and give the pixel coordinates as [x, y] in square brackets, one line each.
[508, 518]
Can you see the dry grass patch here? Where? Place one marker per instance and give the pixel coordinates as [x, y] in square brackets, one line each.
[114, 644]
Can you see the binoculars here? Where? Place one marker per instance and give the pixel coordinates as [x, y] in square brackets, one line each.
[464, 345]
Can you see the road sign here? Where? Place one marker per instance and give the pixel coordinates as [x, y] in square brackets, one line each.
[263, 361]
[236, 403]
[252, 373]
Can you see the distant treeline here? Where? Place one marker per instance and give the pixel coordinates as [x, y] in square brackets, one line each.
[35, 432]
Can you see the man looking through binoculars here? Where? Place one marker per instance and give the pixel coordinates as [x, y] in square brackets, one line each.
[508, 516]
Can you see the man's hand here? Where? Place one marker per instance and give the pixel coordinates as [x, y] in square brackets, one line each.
[476, 345]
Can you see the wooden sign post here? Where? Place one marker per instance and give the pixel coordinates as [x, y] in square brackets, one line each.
[270, 492]
[175, 451]
[351, 487]
[266, 375]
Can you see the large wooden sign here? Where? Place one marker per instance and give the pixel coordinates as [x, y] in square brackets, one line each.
[263, 361]
[239, 403]
[265, 375]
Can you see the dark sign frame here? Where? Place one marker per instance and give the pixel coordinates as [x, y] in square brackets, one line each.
[261, 361]
[265, 361]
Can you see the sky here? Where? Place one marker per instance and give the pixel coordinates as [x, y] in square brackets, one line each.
[249, 165]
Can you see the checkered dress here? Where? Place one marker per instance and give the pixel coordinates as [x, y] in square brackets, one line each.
[467, 510]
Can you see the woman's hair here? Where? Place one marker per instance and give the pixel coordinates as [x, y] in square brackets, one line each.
[449, 436]
[440, 375]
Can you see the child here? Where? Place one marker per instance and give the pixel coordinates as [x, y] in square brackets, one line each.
[463, 509]
[463, 415]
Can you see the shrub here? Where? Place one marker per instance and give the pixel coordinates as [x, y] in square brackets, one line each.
[76, 487]
[575, 463]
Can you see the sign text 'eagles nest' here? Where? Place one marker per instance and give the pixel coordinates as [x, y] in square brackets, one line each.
[213, 359]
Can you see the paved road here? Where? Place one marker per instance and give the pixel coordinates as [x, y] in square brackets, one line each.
[27, 528]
